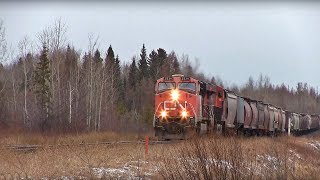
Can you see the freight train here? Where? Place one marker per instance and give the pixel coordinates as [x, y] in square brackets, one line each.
[185, 106]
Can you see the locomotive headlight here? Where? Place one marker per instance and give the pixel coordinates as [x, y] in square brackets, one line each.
[174, 95]
[184, 114]
[163, 114]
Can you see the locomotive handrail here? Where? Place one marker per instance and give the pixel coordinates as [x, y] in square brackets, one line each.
[154, 115]
[194, 112]
[210, 112]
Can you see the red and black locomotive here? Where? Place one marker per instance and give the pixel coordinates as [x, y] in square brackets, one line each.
[184, 105]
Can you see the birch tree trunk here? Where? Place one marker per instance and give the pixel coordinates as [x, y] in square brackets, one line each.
[92, 46]
[14, 91]
[90, 96]
[59, 87]
[100, 103]
[70, 103]
[77, 89]
[25, 114]
[23, 45]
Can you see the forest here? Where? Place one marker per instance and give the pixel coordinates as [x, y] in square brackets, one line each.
[51, 86]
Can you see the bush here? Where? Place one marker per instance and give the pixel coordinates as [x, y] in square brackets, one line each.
[234, 158]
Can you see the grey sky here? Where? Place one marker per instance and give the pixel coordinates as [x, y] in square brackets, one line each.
[232, 40]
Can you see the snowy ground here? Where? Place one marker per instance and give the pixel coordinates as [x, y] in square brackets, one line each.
[315, 145]
[130, 164]
[131, 170]
[143, 170]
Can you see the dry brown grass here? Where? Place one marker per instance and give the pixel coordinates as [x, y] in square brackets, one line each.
[75, 161]
[242, 158]
[61, 155]
[53, 139]
[212, 157]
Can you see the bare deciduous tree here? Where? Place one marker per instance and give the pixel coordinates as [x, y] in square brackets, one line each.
[23, 48]
[3, 43]
[58, 33]
[93, 42]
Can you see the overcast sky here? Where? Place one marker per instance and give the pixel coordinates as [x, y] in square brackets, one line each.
[232, 40]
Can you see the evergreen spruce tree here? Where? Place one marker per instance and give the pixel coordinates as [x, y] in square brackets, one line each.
[110, 70]
[113, 74]
[143, 64]
[118, 81]
[97, 57]
[156, 61]
[1, 66]
[110, 59]
[70, 62]
[133, 73]
[29, 58]
[113, 68]
[163, 69]
[152, 61]
[162, 55]
[123, 94]
[42, 86]
[170, 65]
[117, 69]
[86, 60]
[175, 65]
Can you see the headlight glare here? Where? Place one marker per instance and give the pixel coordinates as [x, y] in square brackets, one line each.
[164, 114]
[184, 114]
[174, 95]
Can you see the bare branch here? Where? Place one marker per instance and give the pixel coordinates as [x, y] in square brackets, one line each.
[24, 46]
[59, 31]
[3, 43]
[4, 85]
[93, 43]
[44, 37]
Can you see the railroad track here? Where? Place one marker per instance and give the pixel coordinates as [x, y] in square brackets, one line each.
[27, 148]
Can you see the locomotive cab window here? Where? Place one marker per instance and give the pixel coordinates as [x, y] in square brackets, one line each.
[187, 86]
[164, 86]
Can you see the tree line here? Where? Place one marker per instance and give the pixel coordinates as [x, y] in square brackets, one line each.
[58, 89]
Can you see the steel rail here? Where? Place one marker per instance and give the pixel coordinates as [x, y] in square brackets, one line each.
[33, 147]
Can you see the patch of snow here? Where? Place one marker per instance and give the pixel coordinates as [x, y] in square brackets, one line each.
[62, 178]
[111, 172]
[131, 170]
[292, 152]
[315, 144]
[67, 178]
